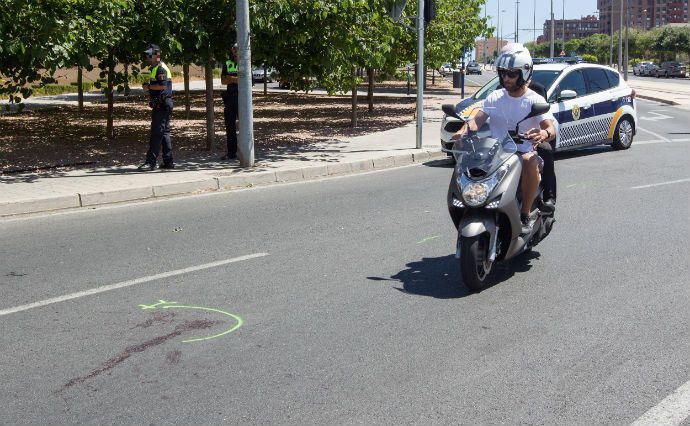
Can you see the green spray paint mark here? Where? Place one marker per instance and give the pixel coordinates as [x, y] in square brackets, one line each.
[164, 304]
[428, 239]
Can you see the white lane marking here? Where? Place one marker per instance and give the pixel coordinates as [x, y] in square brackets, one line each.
[660, 184]
[656, 135]
[671, 411]
[657, 116]
[127, 284]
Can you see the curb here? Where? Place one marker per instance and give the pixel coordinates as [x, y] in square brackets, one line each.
[238, 180]
[655, 99]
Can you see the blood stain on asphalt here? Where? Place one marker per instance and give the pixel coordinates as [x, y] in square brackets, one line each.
[129, 351]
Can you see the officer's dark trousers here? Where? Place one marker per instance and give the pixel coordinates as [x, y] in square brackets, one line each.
[548, 174]
[160, 133]
[230, 114]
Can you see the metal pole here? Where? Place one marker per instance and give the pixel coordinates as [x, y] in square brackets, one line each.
[611, 46]
[420, 73]
[534, 22]
[553, 24]
[246, 137]
[563, 26]
[498, 27]
[620, 37]
[517, 19]
[627, 21]
[484, 47]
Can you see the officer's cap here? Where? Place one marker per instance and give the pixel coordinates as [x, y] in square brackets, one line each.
[152, 49]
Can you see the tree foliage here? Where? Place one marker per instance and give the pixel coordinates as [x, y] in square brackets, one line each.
[658, 44]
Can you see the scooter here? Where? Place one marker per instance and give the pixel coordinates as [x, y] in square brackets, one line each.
[484, 201]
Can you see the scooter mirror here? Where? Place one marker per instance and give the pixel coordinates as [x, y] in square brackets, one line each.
[449, 110]
[538, 108]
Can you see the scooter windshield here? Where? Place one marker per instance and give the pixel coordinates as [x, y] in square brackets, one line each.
[479, 154]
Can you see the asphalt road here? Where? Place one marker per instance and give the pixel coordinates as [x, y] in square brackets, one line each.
[352, 309]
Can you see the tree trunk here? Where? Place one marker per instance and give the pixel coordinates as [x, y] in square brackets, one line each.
[126, 79]
[110, 127]
[80, 86]
[370, 94]
[433, 77]
[353, 120]
[265, 80]
[185, 72]
[210, 125]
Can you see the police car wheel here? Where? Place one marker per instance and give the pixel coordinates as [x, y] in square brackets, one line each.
[623, 137]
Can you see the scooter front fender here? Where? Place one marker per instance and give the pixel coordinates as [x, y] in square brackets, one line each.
[476, 222]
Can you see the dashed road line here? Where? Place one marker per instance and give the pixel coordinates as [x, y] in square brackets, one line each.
[672, 411]
[660, 184]
[127, 284]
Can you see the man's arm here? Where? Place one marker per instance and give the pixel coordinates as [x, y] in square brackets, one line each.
[159, 83]
[228, 79]
[225, 78]
[473, 125]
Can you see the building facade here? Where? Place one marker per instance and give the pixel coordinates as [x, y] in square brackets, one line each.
[488, 49]
[569, 29]
[641, 14]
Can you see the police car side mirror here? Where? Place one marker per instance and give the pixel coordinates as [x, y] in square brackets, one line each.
[567, 94]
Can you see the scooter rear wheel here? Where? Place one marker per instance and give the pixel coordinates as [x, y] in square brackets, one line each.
[474, 263]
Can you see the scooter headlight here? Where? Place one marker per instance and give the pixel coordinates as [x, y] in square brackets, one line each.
[475, 193]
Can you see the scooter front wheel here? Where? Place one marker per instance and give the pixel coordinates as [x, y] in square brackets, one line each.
[474, 263]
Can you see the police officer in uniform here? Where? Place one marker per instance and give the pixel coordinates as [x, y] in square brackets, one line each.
[159, 88]
[228, 76]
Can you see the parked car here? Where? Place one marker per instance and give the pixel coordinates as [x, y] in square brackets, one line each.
[648, 69]
[592, 104]
[637, 69]
[670, 69]
[258, 75]
[445, 69]
[473, 68]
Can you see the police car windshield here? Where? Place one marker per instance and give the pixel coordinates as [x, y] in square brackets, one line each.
[545, 77]
[487, 89]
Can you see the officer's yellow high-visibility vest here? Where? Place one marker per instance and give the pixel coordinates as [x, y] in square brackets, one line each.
[165, 67]
[230, 66]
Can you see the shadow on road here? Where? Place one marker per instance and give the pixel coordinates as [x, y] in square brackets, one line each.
[439, 277]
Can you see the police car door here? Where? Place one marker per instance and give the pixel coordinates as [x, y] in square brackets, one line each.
[573, 115]
[605, 101]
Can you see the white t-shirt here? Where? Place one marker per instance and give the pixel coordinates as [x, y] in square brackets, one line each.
[505, 111]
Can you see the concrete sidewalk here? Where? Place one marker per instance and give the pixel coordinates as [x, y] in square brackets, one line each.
[75, 189]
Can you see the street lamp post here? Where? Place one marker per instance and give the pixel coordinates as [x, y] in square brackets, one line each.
[611, 45]
[553, 30]
[620, 36]
[627, 24]
[498, 24]
[517, 19]
[501, 36]
[563, 50]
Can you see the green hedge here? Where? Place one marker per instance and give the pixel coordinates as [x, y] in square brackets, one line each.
[59, 89]
[53, 89]
[86, 85]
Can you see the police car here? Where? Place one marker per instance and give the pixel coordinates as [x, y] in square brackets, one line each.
[592, 105]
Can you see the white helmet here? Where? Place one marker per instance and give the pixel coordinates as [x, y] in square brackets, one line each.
[515, 56]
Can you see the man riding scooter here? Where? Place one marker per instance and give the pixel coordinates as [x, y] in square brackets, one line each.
[506, 108]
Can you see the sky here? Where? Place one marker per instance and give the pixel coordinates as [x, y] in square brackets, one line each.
[573, 9]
